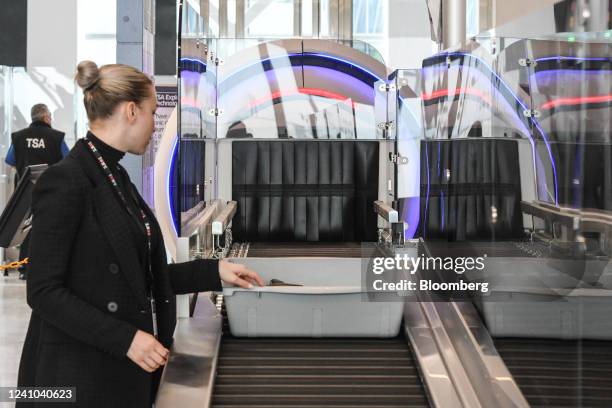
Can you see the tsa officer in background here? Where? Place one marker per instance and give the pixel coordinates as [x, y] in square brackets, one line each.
[101, 291]
[36, 144]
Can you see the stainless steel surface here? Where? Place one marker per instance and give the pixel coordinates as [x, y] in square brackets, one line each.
[200, 215]
[599, 15]
[479, 375]
[224, 169]
[334, 29]
[480, 357]
[315, 18]
[223, 23]
[188, 378]
[240, 18]
[453, 23]
[386, 211]
[224, 218]
[565, 224]
[436, 377]
[527, 177]
[297, 18]
[427, 323]
[458, 360]
[346, 19]
[285, 250]
[196, 232]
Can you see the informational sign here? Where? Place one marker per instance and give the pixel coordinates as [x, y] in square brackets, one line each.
[166, 101]
[167, 97]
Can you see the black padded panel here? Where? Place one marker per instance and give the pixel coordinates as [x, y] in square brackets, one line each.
[484, 174]
[584, 174]
[192, 160]
[304, 190]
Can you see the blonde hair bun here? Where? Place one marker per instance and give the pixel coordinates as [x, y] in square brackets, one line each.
[87, 74]
[106, 87]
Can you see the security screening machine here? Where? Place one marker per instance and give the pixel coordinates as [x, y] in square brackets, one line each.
[308, 199]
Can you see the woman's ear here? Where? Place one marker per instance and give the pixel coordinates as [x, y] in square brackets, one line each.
[130, 110]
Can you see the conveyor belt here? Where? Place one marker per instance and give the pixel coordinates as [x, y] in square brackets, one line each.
[519, 249]
[308, 373]
[266, 372]
[560, 373]
[281, 249]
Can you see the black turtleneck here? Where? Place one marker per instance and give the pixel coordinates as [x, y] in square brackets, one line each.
[112, 157]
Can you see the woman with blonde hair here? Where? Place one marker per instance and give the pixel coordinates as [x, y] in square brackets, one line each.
[101, 291]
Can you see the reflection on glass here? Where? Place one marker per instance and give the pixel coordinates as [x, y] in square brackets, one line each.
[5, 128]
[270, 89]
[516, 164]
[276, 90]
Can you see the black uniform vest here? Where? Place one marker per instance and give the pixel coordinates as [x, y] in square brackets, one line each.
[37, 144]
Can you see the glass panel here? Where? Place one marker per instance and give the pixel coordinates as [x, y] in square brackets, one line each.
[571, 90]
[513, 66]
[265, 89]
[296, 89]
[5, 128]
[21, 90]
[193, 22]
[406, 112]
[190, 185]
[460, 95]
[516, 168]
[477, 139]
[570, 85]
[363, 47]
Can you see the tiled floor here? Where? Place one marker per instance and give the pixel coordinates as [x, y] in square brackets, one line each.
[14, 318]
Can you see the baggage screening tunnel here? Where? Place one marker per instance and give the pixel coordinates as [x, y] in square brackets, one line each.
[307, 159]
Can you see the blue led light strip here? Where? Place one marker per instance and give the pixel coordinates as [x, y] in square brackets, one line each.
[304, 54]
[259, 62]
[565, 58]
[170, 168]
[522, 104]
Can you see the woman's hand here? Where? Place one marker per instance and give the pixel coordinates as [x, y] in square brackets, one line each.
[239, 275]
[147, 352]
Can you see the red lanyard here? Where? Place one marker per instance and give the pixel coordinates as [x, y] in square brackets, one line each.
[142, 222]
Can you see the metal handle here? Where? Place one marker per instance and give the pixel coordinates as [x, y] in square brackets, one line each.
[223, 220]
[386, 211]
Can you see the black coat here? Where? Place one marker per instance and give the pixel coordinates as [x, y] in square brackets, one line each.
[87, 289]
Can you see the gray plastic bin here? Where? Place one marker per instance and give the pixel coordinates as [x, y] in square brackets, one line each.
[534, 297]
[330, 304]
